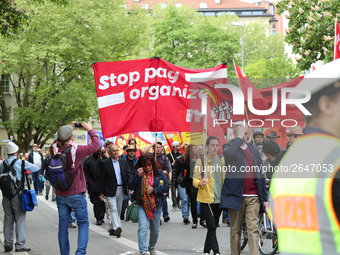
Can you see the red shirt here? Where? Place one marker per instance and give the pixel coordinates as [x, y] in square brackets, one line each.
[249, 187]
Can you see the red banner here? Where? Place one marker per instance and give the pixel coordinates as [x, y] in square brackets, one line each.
[147, 95]
[336, 50]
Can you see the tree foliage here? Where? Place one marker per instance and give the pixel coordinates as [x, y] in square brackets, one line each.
[311, 29]
[12, 17]
[52, 64]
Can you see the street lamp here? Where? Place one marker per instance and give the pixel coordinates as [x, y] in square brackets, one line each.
[239, 24]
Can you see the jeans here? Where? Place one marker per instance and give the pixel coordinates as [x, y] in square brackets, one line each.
[212, 214]
[143, 227]
[72, 217]
[174, 197]
[37, 182]
[165, 207]
[198, 208]
[79, 205]
[185, 201]
[226, 216]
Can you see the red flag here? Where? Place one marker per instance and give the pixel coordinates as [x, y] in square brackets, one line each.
[147, 95]
[336, 50]
[258, 100]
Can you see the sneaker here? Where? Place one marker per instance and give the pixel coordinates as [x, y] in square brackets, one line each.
[112, 232]
[8, 248]
[152, 251]
[23, 249]
[99, 222]
[174, 209]
[186, 221]
[119, 232]
[166, 219]
[72, 225]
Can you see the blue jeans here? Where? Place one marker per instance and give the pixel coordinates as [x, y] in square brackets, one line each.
[185, 202]
[72, 217]
[165, 207]
[198, 208]
[226, 216]
[143, 227]
[79, 205]
[37, 182]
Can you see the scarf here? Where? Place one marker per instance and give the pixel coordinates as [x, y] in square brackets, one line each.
[73, 150]
[149, 200]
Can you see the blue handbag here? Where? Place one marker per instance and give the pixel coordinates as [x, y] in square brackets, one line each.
[28, 198]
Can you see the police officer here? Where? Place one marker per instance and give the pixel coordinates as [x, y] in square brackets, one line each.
[306, 210]
[12, 207]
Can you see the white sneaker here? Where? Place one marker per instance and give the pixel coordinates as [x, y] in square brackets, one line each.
[72, 225]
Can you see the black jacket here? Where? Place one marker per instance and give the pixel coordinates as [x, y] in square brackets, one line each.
[232, 190]
[108, 180]
[177, 169]
[160, 185]
[30, 159]
[92, 173]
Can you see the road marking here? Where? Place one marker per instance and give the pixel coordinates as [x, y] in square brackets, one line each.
[101, 231]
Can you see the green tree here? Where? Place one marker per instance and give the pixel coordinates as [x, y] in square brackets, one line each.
[52, 64]
[268, 72]
[12, 18]
[311, 29]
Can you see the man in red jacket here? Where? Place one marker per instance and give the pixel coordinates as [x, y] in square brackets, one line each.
[74, 198]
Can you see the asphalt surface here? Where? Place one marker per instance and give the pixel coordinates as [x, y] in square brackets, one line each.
[175, 237]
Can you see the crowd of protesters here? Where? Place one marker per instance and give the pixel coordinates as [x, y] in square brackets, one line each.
[114, 180]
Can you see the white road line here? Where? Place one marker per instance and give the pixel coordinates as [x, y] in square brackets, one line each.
[99, 230]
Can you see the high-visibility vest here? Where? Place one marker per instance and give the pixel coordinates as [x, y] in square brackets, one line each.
[301, 205]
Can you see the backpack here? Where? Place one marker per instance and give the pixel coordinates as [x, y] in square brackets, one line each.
[9, 183]
[59, 175]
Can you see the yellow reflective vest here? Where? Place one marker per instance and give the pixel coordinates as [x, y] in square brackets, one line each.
[301, 197]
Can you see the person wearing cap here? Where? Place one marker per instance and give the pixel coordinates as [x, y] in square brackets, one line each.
[293, 134]
[92, 180]
[13, 207]
[273, 136]
[316, 195]
[74, 198]
[132, 141]
[131, 159]
[174, 186]
[36, 158]
[258, 136]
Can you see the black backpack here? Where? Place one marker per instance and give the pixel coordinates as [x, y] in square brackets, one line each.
[9, 183]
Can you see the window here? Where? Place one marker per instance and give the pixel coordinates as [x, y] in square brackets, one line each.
[163, 6]
[230, 13]
[220, 13]
[209, 13]
[203, 5]
[257, 12]
[9, 112]
[145, 6]
[246, 13]
[272, 9]
[5, 82]
[178, 4]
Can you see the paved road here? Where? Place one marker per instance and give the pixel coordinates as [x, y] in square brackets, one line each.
[175, 237]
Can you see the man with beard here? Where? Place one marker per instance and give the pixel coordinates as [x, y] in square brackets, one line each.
[92, 180]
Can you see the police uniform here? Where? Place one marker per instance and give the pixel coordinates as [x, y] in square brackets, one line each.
[305, 189]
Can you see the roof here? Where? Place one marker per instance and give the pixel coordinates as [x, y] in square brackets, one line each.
[224, 4]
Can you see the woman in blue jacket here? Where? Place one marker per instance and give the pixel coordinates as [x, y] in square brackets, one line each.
[148, 184]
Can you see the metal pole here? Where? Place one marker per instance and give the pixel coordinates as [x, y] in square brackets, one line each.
[242, 51]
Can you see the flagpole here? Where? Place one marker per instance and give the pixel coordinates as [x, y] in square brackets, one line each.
[251, 132]
[205, 127]
[155, 149]
[169, 148]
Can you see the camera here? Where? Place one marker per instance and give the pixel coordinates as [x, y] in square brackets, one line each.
[78, 125]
